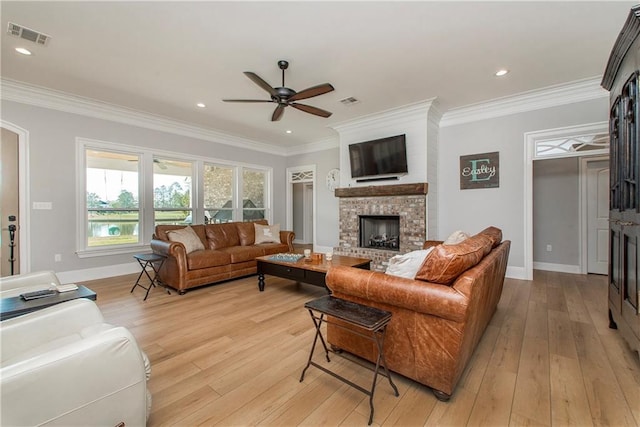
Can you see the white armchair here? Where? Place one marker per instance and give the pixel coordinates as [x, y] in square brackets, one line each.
[64, 366]
[12, 286]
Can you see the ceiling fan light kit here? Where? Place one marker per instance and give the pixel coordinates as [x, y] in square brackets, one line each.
[286, 97]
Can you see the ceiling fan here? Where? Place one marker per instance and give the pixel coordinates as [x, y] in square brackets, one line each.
[285, 97]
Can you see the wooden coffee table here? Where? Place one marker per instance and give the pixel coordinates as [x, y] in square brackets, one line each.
[311, 272]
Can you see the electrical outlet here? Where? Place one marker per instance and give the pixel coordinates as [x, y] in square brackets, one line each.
[57, 257]
[549, 248]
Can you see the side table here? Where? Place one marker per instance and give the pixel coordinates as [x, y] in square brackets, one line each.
[16, 306]
[153, 261]
[372, 321]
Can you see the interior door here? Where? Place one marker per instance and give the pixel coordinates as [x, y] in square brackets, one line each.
[598, 216]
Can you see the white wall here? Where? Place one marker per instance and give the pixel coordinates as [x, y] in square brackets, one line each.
[473, 210]
[52, 142]
[411, 121]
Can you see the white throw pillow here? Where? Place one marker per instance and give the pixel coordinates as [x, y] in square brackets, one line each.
[187, 237]
[407, 265]
[456, 237]
[267, 233]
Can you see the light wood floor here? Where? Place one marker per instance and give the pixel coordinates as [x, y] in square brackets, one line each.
[231, 355]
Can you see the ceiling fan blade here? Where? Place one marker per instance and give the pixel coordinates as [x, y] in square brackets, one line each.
[258, 80]
[277, 113]
[312, 91]
[312, 110]
[247, 100]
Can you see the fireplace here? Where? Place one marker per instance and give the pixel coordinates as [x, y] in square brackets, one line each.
[380, 232]
[401, 213]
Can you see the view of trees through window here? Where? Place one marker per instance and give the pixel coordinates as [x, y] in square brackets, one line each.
[172, 191]
[112, 198]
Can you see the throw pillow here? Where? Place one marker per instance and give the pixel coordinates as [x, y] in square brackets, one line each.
[187, 237]
[267, 233]
[446, 262]
[407, 265]
[456, 237]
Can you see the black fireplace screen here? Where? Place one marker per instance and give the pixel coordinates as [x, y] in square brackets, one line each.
[380, 232]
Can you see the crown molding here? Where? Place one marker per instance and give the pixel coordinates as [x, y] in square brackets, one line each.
[552, 96]
[38, 96]
[408, 112]
[325, 144]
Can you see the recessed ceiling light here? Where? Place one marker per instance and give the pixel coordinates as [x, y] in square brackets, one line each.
[201, 105]
[501, 73]
[23, 51]
[288, 131]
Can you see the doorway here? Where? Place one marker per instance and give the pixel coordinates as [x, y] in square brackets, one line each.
[10, 204]
[301, 206]
[590, 140]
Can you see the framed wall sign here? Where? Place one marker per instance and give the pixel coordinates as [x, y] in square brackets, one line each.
[480, 171]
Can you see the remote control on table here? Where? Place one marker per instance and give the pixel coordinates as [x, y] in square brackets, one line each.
[38, 294]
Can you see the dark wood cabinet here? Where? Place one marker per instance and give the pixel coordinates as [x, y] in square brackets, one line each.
[621, 79]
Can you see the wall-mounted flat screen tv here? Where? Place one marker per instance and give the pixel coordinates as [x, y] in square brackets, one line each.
[380, 158]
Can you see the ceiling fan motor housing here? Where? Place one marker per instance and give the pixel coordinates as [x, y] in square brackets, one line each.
[284, 93]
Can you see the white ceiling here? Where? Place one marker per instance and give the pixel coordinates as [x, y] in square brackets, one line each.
[164, 57]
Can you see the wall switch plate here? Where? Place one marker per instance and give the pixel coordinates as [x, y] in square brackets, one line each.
[549, 248]
[42, 205]
[57, 257]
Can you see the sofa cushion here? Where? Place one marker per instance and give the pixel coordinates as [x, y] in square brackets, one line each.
[494, 234]
[247, 232]
[446, 262]
[407, 265]
[456, 237]
[207, 259]
[238, 254]
[222, 235]
[267, 233]
[187, 237]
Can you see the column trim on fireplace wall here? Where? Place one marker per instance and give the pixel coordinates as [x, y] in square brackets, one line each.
[384, 190]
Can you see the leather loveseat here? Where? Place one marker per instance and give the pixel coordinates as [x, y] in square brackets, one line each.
[438, 317]
[228, 251]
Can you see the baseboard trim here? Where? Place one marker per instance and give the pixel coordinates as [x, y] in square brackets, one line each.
[79, 276]
[516, 273]
[560, 268]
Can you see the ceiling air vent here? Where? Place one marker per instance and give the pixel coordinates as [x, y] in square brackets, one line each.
[349, 101]
[27, 34]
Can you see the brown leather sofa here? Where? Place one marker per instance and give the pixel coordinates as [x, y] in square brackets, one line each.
[229, 252]
[438, 321]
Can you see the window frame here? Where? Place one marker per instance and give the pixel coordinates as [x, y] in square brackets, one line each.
[146, 208]
[83, 250]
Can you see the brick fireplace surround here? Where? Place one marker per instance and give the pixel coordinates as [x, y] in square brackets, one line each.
[408, 201]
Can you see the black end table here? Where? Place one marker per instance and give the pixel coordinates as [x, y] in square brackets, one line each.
[16, 306]
[372, 321]
[153, 261]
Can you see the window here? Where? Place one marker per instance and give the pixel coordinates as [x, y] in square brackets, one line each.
[124, 191]
[573, 146]
[112, 198]
[172, 191]
[254, 184]
[218, 193]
